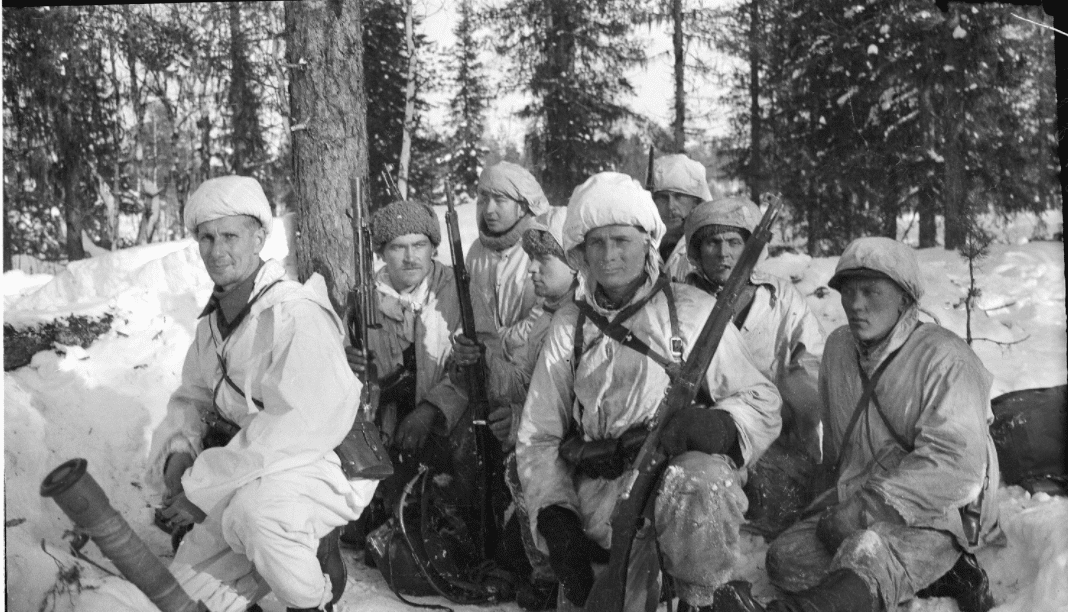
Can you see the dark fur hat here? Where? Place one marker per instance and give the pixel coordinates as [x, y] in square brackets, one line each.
[401, 218]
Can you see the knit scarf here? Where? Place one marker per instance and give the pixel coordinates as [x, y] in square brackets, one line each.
[507, 238]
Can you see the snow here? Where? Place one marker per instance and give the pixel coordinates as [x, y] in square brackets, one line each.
[102, 403]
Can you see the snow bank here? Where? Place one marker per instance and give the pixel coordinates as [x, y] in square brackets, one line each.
[102, 403]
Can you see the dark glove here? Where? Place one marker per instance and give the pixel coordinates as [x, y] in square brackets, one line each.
[607, 458]
[569, 552]
[859, 512]
[699, 428]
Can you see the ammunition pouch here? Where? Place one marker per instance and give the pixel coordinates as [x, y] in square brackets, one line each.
[220, 429]
[607, 458]
[362, 453]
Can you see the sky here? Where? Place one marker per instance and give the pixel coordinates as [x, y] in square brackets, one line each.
[103, 402]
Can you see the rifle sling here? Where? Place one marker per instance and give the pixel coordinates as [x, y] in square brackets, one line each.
[615, 330]
[862, 404]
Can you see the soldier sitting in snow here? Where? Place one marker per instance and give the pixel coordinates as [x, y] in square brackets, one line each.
[267, 359]
[590, 392]
[906, 441]
[785, 341]
[420, 410]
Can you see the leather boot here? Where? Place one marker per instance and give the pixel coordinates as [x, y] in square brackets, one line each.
[841, 591]
[966, 582]
[330, 561]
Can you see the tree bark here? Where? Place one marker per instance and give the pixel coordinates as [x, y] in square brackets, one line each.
[404, 161]
[328, 110]
[756, 166]
[678, 43]
[927, 203]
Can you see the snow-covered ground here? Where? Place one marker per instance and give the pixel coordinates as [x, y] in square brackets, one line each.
[103, 402]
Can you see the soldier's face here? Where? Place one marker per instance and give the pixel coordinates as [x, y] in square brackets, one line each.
[872, 306]
[719, 253]
[497, 212]
[551, 276]
[408, 260]
[674, 208]
[230, 248]
[616, 255]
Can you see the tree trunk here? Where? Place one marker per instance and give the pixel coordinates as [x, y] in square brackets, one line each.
[927, 203]
[238, 75]
[678, 42]
[324, 47]
[954, 190]
[756, 166]
[890, 208]
[409, 105]
[8, 254]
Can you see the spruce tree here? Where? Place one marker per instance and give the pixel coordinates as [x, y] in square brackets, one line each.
[468, 106]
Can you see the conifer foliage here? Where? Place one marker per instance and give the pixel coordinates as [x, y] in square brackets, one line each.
[571, 58]
[468, 106]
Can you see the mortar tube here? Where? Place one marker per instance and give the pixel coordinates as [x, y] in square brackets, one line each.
[77, 493]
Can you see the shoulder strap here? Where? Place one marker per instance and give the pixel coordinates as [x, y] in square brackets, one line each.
[233, 385]
[862, 403]
[900, 439]
[615, 330]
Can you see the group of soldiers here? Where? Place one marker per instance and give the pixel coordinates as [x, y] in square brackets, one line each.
[879, 433]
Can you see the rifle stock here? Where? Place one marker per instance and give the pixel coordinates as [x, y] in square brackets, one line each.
[477, 397]
[609, 591]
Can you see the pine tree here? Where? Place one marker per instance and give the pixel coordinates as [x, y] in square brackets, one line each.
[468, 106]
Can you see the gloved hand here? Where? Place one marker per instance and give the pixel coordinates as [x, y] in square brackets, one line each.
[699, 428]
[859, 512]
[569, 553]
[413, 430]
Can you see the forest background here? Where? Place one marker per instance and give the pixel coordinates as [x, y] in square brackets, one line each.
[860, 113]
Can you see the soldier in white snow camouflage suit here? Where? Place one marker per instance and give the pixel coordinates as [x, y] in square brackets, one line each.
[590, 391]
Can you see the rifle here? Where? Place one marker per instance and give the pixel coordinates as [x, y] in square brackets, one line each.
[391, 187]
[649, 171]
[609, 591]
[476, 381]
[361, 452]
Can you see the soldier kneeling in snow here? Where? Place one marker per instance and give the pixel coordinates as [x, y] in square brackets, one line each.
[267, 360]
[906, 442]
[590, 392]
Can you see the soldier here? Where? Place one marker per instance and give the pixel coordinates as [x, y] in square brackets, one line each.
[503, 298]
[422, 414]
[591, 394]
[785, 340]
[678, 186]
[906, 440]
[554, 282]
[267, 361]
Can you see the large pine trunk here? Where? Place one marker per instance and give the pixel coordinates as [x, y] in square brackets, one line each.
[328, 110]
[678, 44]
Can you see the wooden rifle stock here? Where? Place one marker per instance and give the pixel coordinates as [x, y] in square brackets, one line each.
[609, 591]
[477, 397]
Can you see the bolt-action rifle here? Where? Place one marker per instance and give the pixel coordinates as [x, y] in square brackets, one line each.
[478, 400]
[609, 591]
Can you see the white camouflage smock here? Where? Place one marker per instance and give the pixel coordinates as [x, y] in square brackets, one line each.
[277, 487]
